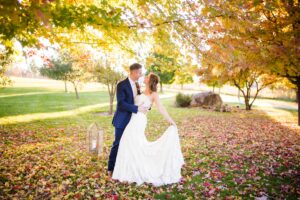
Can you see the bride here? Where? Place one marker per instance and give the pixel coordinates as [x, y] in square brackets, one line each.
[141, 161]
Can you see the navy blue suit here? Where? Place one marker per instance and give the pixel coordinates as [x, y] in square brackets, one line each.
[125, 108]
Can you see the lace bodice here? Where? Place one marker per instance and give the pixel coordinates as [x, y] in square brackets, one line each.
[142, 99]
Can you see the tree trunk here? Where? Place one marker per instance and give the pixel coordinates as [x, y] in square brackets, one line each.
[298, 97]
[111, 87]
[213, 89]
[247, 104]
[247, 99]
[246, 95]
[66, 88]
[111, 103]
[76, 92]
[182, 86]
[161, 87]
[26, 59]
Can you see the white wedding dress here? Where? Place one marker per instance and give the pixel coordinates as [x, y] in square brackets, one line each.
[138, 160]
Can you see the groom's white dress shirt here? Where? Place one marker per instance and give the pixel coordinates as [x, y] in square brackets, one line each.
[133, 87]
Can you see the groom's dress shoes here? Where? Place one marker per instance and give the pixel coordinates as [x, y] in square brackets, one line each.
[109, 173]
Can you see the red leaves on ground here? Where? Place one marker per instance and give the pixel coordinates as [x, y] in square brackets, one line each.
[227, 155]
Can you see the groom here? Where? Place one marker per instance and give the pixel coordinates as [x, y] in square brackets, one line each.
[126, 91]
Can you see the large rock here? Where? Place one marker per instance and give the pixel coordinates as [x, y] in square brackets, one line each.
[206, 100]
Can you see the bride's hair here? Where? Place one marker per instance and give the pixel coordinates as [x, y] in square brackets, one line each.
[153, 81]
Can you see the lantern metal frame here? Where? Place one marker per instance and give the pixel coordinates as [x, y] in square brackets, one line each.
[94, 139]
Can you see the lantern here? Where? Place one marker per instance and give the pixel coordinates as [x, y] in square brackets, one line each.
[95, 139]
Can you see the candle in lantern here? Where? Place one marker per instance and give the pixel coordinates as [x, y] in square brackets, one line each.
[93, 144]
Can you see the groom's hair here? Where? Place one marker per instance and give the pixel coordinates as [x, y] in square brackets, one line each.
[135, 66]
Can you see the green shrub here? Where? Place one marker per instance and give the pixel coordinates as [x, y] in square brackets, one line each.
[183, 100]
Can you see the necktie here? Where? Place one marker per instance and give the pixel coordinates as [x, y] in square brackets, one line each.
[138, 88]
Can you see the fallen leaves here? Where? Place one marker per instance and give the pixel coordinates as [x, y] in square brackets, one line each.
[228, 156]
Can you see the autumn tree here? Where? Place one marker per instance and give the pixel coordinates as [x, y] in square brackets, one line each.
[210, 76]
[247, 79]
[4, 80]
[272, 27]
[280, 38]
[4, 61]
[108, 76]
[239, 63]
[70, 66]
[183, 77]
[185, 72]
[164, 67]
[80, 59]
[57, 70]
[77, 76]
[166, 77]
[27, 21]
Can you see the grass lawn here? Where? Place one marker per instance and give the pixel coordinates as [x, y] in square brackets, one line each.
[237, 155]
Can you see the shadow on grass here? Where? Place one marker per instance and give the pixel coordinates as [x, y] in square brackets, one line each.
[283, 141]
[22, 101]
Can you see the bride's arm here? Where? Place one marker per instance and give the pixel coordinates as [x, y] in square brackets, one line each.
[162, 109]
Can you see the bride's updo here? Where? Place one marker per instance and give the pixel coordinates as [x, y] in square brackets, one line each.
[153, 82]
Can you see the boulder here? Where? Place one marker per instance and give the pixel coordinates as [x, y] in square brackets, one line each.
[206, 100]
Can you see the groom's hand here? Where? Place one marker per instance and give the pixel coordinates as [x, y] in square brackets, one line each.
[142, 109]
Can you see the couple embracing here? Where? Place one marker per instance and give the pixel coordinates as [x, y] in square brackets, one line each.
[132, 157]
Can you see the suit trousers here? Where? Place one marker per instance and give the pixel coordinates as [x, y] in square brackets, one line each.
[114, 148]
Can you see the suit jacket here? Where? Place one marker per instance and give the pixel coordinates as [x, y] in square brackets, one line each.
[125, 104]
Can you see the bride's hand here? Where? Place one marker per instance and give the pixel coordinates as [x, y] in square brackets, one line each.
[172, 123]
